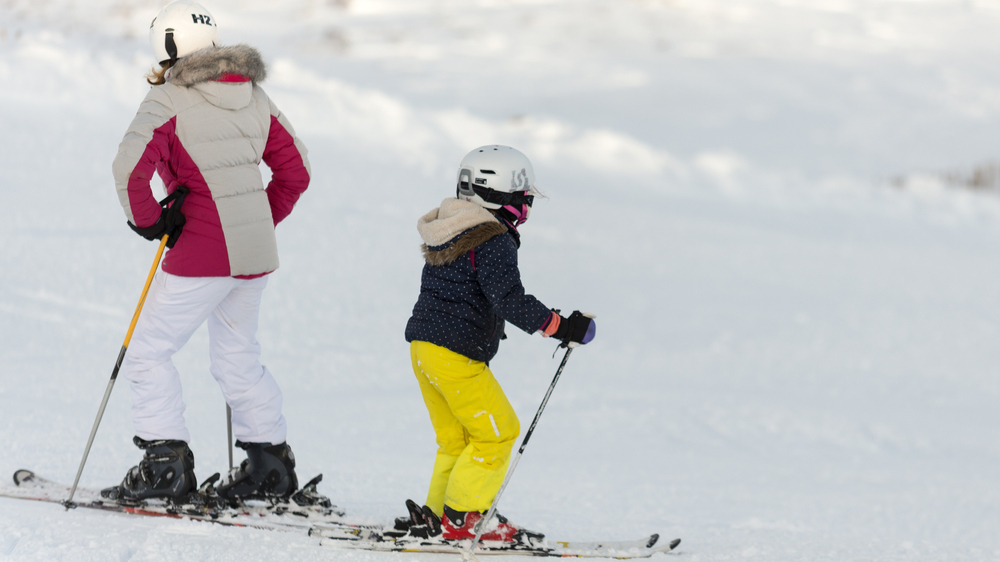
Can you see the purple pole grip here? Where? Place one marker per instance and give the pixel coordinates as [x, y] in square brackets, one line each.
[591, 332]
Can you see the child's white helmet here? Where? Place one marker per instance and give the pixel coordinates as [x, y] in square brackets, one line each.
[489, 173]
[180, 29]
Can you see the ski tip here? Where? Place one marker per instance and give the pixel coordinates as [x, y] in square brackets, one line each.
[22, 476]
[674, 543]
[652, 540]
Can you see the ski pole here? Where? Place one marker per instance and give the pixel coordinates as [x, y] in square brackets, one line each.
[229, 427]
[114, 373]
[481, 526]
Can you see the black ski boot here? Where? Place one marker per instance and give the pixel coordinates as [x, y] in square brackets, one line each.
[267, 473]
[165, 471]
[421, 523]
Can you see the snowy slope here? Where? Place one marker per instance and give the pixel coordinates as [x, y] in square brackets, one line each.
[796, 360]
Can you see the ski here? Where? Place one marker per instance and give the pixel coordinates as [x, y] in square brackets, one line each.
[325, 522]
[281, 516]
[379, 541]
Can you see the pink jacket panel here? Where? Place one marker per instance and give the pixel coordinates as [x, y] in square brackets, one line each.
[289, 177]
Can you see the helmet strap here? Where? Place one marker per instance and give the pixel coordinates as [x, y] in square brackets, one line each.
[170, 46]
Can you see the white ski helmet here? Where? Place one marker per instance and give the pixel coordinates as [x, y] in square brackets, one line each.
[498, 177]
[180, 29]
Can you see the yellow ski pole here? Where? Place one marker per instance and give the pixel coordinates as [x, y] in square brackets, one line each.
[114, 374]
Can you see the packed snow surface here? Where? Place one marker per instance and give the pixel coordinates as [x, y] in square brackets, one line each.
[796, 358]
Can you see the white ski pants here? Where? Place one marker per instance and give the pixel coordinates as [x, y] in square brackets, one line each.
[174, 309]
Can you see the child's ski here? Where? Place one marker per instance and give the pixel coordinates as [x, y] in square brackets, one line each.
[377, 540]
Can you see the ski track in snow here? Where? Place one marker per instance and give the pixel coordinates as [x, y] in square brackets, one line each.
[796, 361]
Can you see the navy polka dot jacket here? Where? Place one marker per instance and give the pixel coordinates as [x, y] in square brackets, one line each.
[470, 283]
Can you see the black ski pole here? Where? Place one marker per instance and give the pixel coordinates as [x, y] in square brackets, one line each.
[229, 431]
[114, 373]
[481, 526]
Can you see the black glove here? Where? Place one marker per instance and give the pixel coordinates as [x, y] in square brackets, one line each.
[171, 219]
[578, 329]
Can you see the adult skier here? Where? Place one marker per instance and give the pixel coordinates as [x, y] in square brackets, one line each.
[469, 287]
[204, 127]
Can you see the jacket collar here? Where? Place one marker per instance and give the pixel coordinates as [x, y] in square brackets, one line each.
[219, 63]
[454, 228]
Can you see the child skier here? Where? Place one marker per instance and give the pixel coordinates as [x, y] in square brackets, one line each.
[204, 127]
[470, 285]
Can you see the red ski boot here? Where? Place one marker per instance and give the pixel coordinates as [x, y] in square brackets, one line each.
[459, 525]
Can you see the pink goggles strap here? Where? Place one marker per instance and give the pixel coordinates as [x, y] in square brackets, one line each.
[520, 212]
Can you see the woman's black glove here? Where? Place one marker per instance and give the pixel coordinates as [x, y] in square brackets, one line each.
[171, 219]
[580, 328]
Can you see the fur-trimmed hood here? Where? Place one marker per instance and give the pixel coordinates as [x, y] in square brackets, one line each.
[454, 228]
[211, 63]
[202, 70]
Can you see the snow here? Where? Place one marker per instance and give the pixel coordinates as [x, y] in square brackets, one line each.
[796, 358]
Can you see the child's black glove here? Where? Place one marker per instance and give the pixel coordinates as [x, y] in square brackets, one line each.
[580, 328]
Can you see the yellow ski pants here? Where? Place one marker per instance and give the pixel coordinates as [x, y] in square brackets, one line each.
[475, 426]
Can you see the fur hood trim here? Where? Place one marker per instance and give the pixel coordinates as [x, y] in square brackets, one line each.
[454, 228]
[211, 63]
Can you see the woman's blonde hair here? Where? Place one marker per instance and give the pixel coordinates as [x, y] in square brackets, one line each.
[157, 77]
